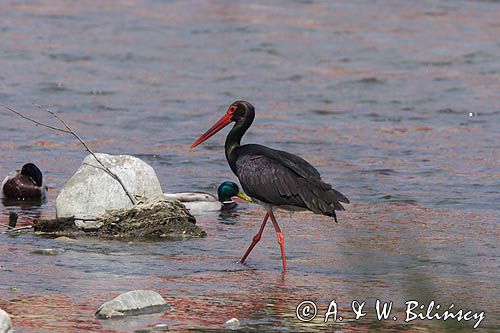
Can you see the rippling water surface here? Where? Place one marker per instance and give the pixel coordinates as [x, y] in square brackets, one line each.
[396, 103]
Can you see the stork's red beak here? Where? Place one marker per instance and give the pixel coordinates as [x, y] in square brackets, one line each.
[220, 124]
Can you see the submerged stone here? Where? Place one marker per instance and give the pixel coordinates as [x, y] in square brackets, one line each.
[161, 327]
[47, 252]
[132, 303]
[232, 324]
[65, 239]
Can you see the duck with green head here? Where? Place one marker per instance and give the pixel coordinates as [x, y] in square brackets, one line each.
[199, 202]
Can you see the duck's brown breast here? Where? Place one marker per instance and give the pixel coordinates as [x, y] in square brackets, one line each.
[21, 187]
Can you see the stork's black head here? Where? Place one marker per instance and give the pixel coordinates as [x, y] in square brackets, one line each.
[240, 112]
[32, 171]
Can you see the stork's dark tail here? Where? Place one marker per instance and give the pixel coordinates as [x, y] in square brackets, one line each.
[321, 198]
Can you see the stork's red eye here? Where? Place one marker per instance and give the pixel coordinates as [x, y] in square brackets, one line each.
[232, 109]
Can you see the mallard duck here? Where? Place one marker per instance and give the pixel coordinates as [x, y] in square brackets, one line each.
[26, 184]
[200, 202]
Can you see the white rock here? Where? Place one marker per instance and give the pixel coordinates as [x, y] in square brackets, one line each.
[161, 327]
[5, 323]
[132, 302]
[232, 324]
[91, 191]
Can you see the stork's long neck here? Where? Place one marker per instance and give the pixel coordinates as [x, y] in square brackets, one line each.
[233, 139]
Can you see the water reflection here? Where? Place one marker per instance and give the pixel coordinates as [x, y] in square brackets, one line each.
[27, 210]
[228, 217]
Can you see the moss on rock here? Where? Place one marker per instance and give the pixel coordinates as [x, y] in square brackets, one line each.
[156, 219]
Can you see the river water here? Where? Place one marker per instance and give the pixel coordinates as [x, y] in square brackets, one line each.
[396, 103]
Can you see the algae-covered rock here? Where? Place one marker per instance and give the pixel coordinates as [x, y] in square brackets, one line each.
[132, 303]
[64, 224]
[157, 218]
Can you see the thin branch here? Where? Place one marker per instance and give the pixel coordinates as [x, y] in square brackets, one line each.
[92, 153]
[35, 121]
[68, 130]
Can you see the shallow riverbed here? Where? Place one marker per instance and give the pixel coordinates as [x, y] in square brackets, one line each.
[395, 103]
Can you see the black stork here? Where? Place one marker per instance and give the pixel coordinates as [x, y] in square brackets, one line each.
[273, 178]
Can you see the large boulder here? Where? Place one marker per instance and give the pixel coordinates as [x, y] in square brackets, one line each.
[132, 303]
[5, 323]
[91, 191]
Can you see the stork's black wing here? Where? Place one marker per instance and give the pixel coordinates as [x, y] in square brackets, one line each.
[291, 161]
[282, 179]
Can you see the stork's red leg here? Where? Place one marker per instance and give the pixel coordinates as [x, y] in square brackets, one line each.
[281, 239]
[256, 238]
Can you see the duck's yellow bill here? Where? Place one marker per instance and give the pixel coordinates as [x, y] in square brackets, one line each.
[244, 196]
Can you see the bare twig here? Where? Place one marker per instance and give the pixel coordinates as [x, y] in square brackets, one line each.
[68, 130]
[35, 121]
[114, 176]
